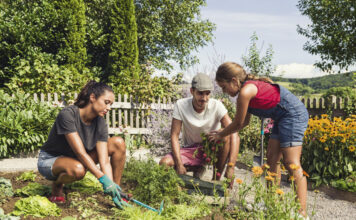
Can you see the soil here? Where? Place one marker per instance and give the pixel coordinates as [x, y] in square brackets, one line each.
[66, 209]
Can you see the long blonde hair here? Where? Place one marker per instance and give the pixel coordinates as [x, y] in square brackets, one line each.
[228, 70]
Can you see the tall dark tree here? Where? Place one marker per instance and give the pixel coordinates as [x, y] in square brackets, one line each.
[123, 55]
[332, 33]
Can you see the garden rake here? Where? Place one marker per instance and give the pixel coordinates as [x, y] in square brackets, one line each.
[128, 197]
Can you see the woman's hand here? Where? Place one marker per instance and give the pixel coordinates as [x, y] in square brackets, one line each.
[214, 136]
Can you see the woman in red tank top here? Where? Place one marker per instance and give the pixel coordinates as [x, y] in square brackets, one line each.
[258, 96]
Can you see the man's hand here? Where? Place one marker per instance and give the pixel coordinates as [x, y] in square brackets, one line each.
[181, 169]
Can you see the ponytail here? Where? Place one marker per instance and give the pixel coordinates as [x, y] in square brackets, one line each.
[92, 87]
[253, 77]
[228, 70]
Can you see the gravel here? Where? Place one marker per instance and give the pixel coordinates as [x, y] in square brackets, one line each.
[326, 204]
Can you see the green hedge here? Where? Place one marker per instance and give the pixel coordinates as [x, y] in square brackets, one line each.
[24, 124]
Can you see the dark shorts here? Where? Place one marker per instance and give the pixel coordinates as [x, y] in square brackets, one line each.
[45, 163]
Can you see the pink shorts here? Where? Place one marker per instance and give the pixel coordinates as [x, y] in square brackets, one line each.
[188, 157]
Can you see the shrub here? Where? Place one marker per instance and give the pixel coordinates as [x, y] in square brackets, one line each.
[24, 124]
[329, 149]
[151, 182]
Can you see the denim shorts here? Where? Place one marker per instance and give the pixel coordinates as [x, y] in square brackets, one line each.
[289, 130]
[45, 163]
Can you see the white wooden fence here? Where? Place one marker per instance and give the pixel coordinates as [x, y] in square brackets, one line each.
[126, 114]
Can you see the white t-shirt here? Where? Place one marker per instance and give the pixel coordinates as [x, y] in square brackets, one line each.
[196, 123]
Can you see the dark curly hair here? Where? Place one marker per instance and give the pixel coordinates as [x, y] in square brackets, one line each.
[92, 87]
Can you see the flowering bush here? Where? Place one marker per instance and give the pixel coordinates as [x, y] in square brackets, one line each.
[329, 148]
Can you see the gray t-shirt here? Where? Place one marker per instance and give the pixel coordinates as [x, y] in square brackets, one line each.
[69, 121]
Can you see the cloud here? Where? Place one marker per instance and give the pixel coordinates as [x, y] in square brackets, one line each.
[298, 70]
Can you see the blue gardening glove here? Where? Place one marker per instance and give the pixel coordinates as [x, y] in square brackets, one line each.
[110, 188]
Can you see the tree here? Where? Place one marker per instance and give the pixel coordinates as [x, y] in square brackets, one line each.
[123, 55]
[331, 33]
[170, 30]
[42, 45]
[257, 64]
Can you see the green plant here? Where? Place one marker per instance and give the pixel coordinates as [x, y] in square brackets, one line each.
[33, 189]
[7, 217]
[85, 206]
[256, 201]
[259, 66]
[88, 185]
[27, 176]
[152, 183]
[329, 151]
[24, 124]
[5, 189]
[36, 206]
[347, 184]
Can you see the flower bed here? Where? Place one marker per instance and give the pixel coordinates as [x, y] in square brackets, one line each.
[329, 150]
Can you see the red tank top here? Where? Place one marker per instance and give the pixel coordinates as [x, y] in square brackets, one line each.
[267, 96]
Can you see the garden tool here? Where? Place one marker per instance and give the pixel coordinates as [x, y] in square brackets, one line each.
[259, 159]
[128, 197]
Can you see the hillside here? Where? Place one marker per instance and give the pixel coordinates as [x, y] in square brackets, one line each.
[324, 82]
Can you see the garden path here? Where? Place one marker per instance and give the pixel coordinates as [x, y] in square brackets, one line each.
[328, 204]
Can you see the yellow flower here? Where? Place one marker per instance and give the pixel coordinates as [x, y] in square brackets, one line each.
[239, 181]
[265, 166]
[279, 191]
[291, 178]
[326, 149]
[352, 148]
[271, 174]
[257, 171]
[230, 164]
[294, 166]
[269, 178]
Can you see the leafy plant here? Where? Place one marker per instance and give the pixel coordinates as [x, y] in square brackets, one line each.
[152, 183]
[24, 124]
[33, 189]
[5, 189]
[88, 185]
[7, 217]
[209, 150]
[36, 206]
[27, 176]
[85, 206]
[347, 184]
[329, 151]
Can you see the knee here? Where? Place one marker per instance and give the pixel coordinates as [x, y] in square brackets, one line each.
[294, 168]
[118, 144]
[166, 161]
[77, 172]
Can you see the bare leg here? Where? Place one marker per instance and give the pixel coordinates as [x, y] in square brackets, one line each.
[291, 155]
[68, 170]
[117, 153]
[274, 156]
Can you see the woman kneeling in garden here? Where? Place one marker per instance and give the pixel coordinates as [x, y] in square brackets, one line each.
[79, 140]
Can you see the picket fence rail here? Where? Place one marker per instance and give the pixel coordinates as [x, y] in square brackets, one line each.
[127, 115]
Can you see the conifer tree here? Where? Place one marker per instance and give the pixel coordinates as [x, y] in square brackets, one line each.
[123, 56]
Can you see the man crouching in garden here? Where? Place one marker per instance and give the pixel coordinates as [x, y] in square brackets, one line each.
[194, 116]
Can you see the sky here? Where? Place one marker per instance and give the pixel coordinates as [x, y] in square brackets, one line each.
[275, 23]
